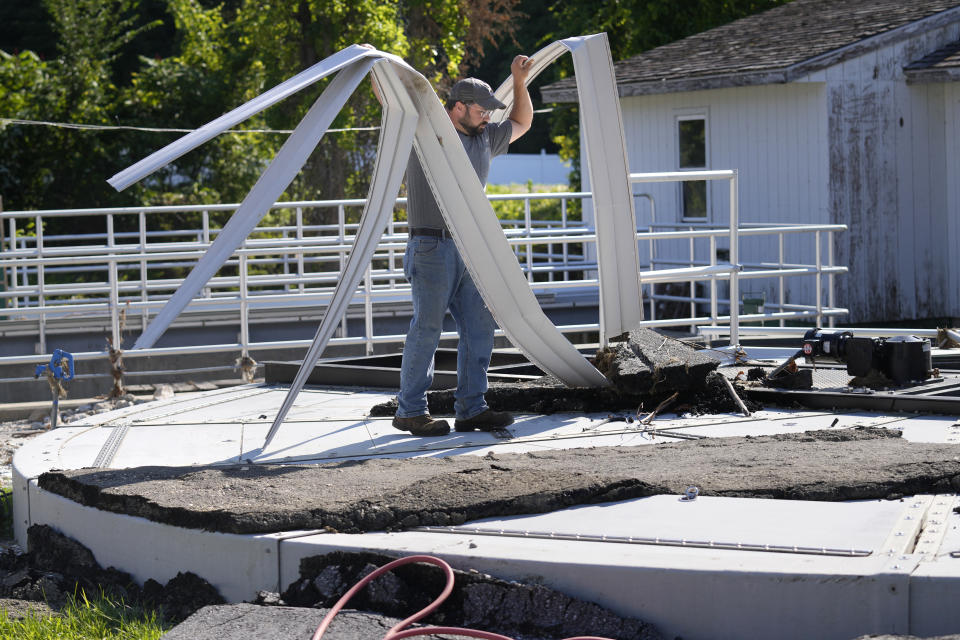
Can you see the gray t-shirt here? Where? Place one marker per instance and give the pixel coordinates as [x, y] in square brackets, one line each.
[422, 208]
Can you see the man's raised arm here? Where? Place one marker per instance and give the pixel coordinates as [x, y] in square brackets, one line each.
[522, 113]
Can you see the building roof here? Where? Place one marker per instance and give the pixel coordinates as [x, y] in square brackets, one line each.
[943, 65]
[778, 45]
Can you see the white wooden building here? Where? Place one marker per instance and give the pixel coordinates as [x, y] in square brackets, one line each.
[832, 111]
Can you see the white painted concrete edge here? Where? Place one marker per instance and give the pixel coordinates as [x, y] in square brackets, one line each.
[735, 594]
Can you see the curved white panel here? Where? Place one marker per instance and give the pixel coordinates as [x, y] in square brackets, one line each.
[602, 125]
[271, 184]
[408, 98]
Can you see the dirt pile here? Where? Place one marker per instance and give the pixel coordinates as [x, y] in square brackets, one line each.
[478, 601]
[57, 567]
[645, 368]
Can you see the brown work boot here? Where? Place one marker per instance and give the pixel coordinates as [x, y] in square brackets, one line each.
[422, 425]
[489, 420]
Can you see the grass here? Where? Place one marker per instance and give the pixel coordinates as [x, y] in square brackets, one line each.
[100, 618]
[83, 619]
[6, 513]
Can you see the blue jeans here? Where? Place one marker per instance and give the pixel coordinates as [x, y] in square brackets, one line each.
[440, 281]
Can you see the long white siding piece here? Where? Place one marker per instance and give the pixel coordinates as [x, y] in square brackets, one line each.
[194, 139]
[396, 139]
[273, 182]
[480, 240]
[467, 211]
[601, 124]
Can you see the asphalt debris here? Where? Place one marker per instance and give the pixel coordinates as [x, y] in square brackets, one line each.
[646, 362]
[645, 368]
[398, 494]
[244, 621]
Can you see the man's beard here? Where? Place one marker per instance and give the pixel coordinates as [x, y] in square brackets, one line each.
[472, 130]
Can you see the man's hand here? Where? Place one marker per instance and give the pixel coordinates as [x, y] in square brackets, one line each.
[520, 67]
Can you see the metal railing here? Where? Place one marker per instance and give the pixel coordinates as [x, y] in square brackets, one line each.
[734, 270]
[128, 267]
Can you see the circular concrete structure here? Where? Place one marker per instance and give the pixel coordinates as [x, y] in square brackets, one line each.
[751, 568]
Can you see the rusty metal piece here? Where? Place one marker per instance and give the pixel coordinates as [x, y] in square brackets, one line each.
[787, 364]
[116, 370]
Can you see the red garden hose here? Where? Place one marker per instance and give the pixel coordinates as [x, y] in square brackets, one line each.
[398, 631]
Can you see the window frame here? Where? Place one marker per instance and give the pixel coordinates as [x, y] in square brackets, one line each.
[687, 115]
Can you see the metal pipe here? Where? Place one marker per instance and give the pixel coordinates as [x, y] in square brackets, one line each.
[255, 346]
[684, 176]
[368, 309]
[41, 283]
[830, 276]
[735, 261]
[819, 278]
[780, 266]
[114, 293]
[144, 294]
[714, 311]
[244, 311]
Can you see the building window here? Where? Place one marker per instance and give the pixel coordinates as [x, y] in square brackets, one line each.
[692, 144]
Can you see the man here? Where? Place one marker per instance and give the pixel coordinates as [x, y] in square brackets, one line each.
[438, 277]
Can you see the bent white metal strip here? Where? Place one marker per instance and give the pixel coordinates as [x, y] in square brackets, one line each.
[274, 180]
[468, 213]
[396, 140]
[485, 251]
[602, 125]
[469, 216]
[194, 139]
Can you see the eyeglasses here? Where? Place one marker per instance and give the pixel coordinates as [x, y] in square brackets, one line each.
[484, 113]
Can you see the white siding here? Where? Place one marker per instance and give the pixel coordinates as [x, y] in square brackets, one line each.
[775, 136]
[831, 148]
[888, 182]
[952, 235]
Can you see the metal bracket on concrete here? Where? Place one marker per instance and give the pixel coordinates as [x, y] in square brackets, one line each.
[935, 526]
[904, 533]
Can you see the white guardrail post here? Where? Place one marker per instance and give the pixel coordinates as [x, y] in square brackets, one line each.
[41, 285]
[734, 261]
[113, 279]
[732, 268]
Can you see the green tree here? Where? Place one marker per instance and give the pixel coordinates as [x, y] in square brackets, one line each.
[54, 167]
[220, 56]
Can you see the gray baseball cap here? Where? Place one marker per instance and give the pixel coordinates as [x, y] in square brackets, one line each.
[472, 90]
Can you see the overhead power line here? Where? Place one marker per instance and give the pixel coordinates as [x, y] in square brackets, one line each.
[106, 127]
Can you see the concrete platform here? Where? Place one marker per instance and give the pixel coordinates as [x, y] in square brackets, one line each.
[713, 567]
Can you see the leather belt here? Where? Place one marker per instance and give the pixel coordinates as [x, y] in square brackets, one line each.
[424, 231]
